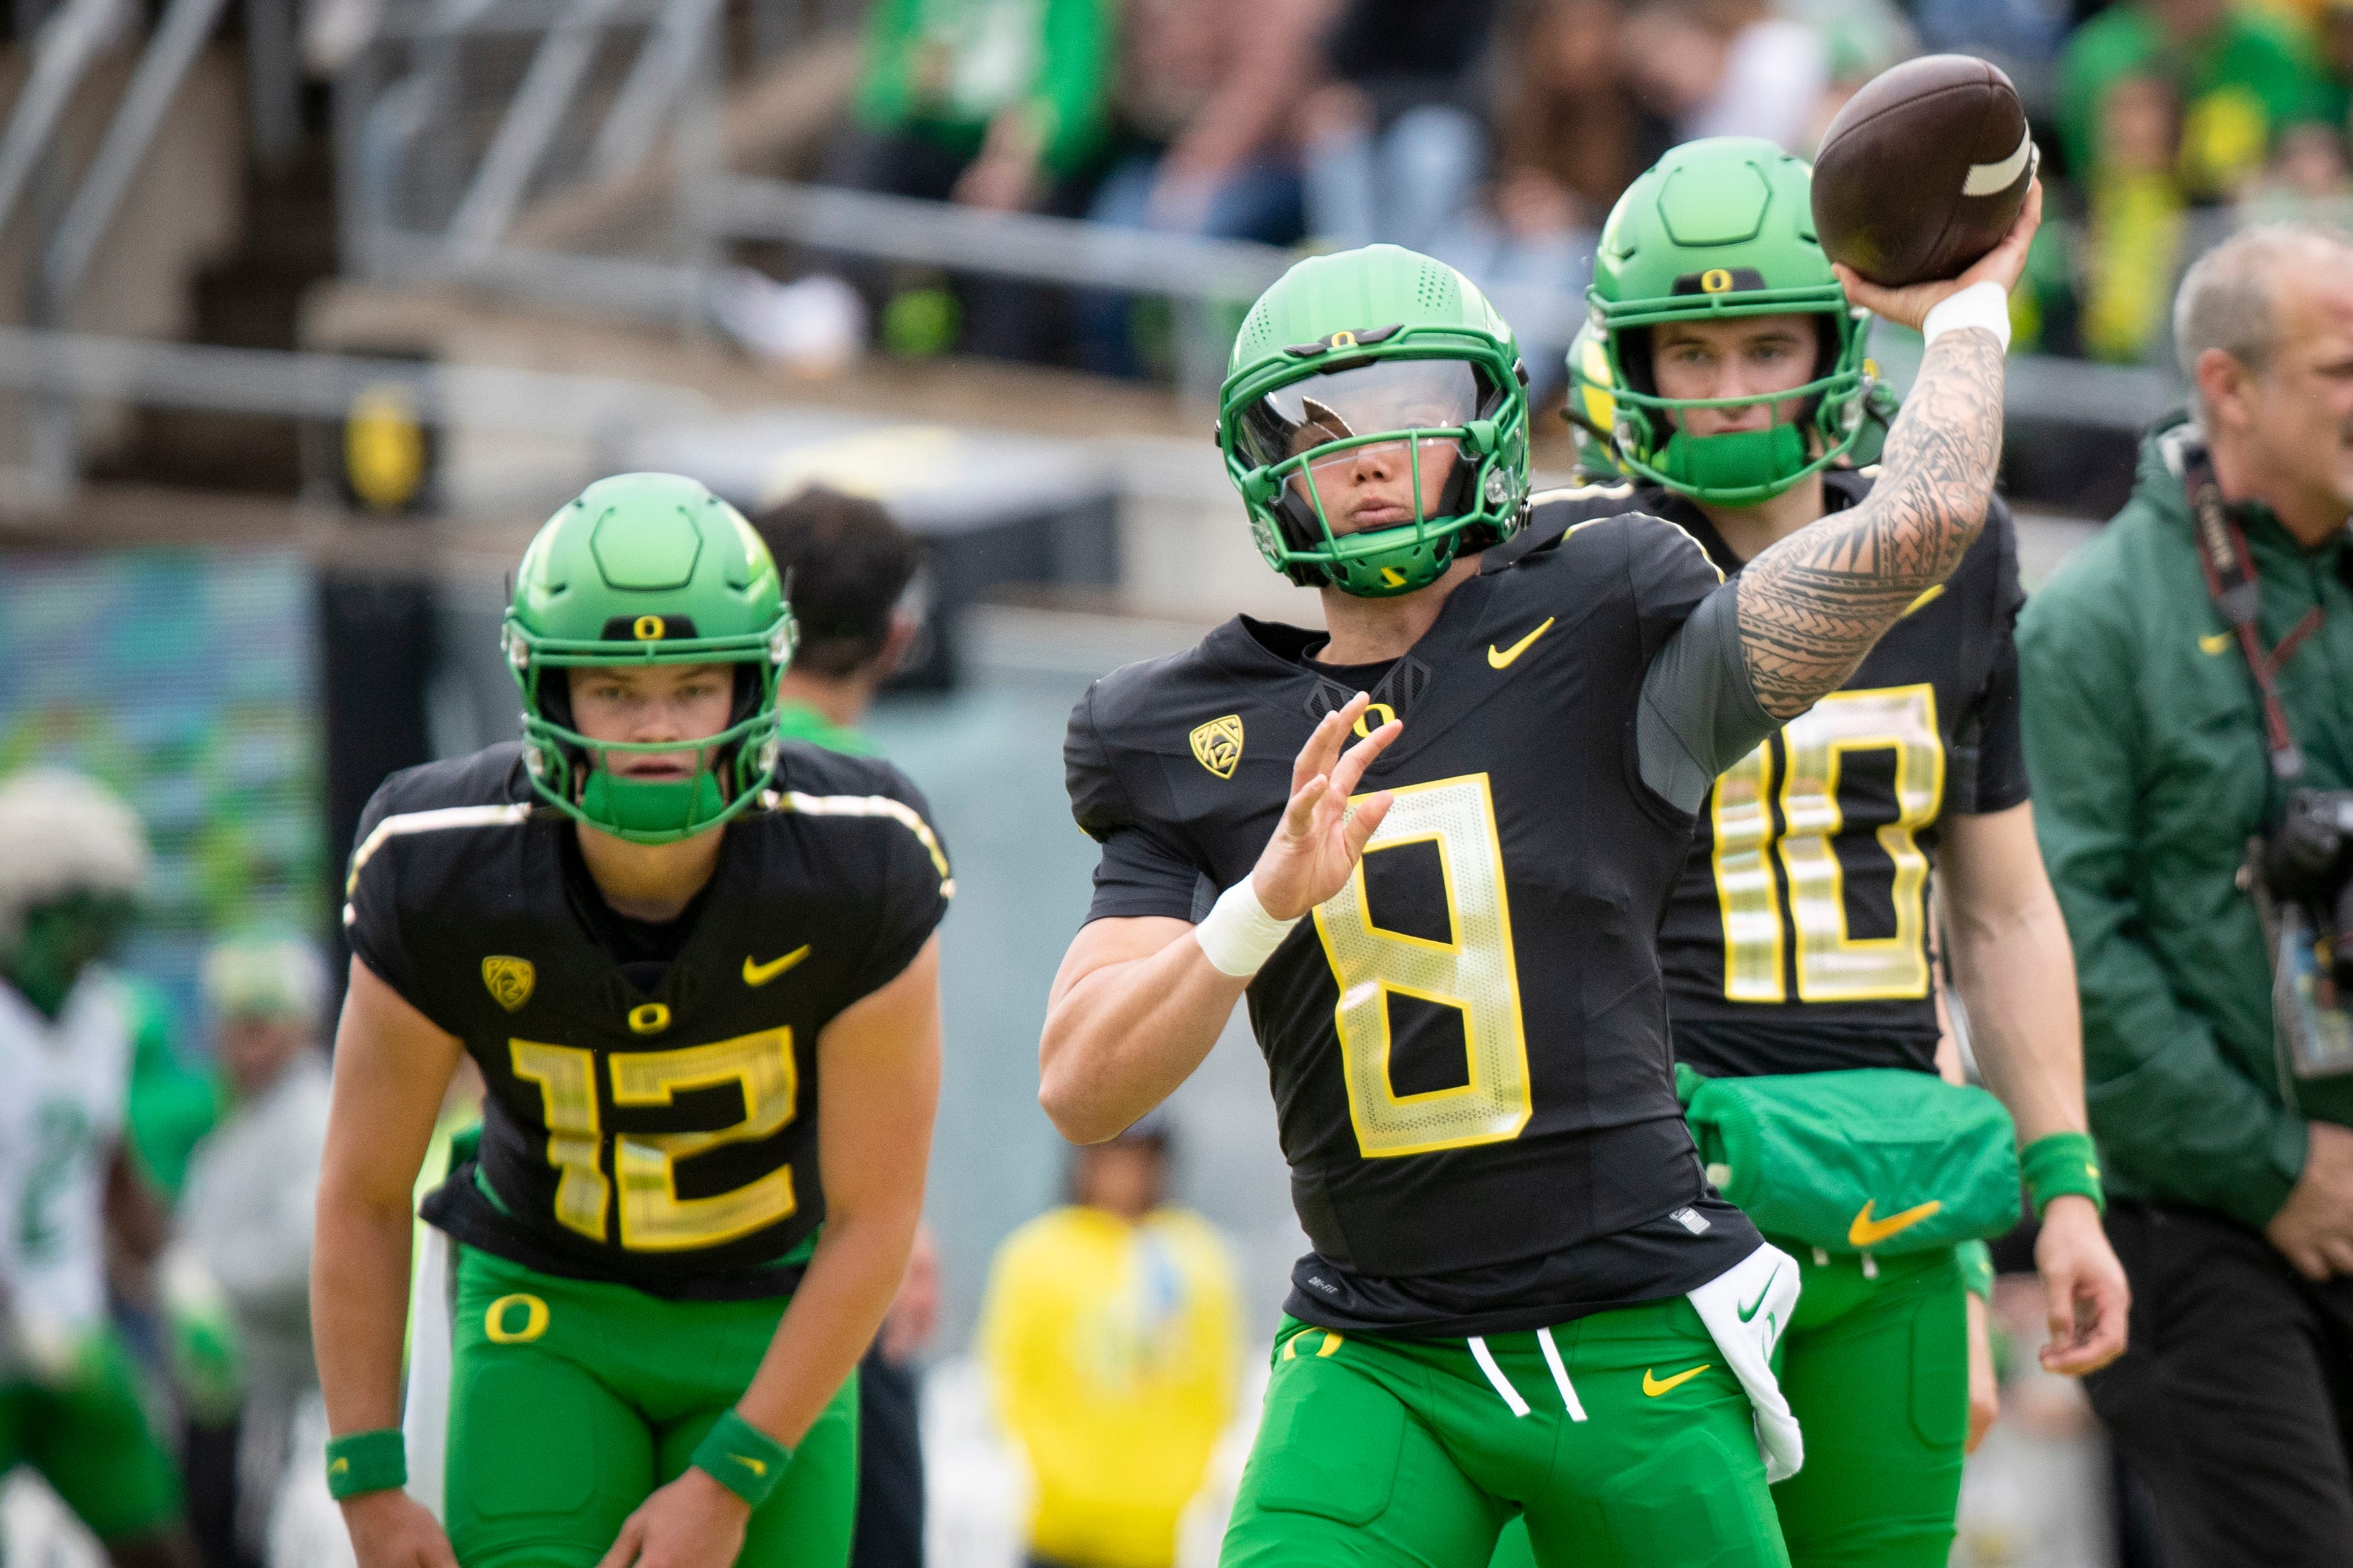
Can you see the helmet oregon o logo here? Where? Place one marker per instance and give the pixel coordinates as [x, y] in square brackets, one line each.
[1343, 339]
[1715, 280]
[651, 1018]
[509, 980]
[1218, 744]
[650, 628]
[535, 1319]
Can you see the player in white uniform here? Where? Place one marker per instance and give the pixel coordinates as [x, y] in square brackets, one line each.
[71, 860]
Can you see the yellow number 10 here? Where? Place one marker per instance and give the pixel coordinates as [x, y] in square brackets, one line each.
[1472, 973]
[1832, 967]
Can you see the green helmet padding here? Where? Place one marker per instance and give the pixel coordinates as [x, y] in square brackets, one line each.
[647, 569]
[1719, 228]
[1335, 313]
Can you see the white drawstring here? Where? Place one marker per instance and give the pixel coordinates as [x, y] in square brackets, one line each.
[1560, 1374]
[1486, 1360]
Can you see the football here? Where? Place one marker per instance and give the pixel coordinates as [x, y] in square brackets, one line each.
[1924, 171]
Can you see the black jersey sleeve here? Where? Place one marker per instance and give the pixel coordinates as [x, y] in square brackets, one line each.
[1699, 713]
[1991, 772]
[1144, 871]
[372, 898]
[914, 886]
[418, 834]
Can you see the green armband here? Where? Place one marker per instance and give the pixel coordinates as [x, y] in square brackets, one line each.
[2061, 1164]
[361, 1462]
[742, 1458]
[1976, 1261]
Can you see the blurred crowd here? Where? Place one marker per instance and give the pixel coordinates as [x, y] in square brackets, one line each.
[1496, 133]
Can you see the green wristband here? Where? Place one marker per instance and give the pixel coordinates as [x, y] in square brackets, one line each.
[742, 1458]
[361, 1462]
[1976, 1260]
[2060, 1163]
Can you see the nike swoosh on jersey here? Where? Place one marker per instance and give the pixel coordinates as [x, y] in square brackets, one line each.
[1500, 660]
[1868, 1232]
[2218, 642]
[761, 973]
[1655, 1387]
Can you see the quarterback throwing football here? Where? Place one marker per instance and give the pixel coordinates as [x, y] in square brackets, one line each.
[1433, 846]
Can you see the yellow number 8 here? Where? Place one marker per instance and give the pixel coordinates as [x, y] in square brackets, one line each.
[1473, 973]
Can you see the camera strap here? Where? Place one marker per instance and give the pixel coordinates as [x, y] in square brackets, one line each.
[2231, 581]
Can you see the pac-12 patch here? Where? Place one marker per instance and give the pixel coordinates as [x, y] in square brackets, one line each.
[1218, 744]
[509, 980]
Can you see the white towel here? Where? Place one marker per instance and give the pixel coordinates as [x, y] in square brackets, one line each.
[1746, 1308]
[424, 1419]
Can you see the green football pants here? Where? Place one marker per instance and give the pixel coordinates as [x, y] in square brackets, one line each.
[572, 1400]
[1877, 1373]
[1388, 1453]
[92, 1440]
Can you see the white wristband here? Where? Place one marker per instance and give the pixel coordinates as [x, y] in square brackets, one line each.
[1238, 936]
[1985, 305]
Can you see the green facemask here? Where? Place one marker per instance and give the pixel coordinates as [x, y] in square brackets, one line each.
[1732, 461]
[667, 808]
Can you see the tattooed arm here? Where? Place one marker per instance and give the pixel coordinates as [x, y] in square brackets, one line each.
[1812, 605]
[1803, 612]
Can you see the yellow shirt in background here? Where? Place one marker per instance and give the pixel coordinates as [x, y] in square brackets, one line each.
[1112, 1351]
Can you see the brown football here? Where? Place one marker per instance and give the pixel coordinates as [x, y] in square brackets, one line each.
[1924, 171]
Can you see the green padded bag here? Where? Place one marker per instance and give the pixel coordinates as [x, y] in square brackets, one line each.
[1879, 1160]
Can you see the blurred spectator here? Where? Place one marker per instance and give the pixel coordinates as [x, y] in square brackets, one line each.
[2241, 74]
[1572, 138]
[1727, 67]
[1205, 113]
[2155, 760]
[988, 103]
[2334, 28]
[72, 859]
[173, 1105]
[247, 1217]
[1109, 1334]
[2132, 236]
[846, 567]
[1396, 145]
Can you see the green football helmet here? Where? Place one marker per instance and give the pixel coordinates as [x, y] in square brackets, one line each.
[1373, 366]
[647, 569]
[1722, 228]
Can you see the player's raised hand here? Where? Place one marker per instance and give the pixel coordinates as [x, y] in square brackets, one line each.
[1315, 849]
[1909, 306]
[392, 1529]
[2084, 1293]
[692, 1522]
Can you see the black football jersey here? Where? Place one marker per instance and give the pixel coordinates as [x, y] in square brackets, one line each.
[652, 1108]
[1799, 938]
[1468, 1046]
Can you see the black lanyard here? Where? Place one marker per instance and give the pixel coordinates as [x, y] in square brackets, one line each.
[2237, 592]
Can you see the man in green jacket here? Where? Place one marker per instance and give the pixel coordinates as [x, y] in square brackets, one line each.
[2232, 1179]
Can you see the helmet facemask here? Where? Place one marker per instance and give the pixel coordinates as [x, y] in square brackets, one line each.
[1809, 426]
[1431, 446]
[574, 772]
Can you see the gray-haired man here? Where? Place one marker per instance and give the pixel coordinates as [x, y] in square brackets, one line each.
[2161, 735]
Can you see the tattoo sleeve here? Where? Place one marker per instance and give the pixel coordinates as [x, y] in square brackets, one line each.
[1811, 606]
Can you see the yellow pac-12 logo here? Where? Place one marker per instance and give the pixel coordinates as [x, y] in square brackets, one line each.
[509, 979]
[1218, 744]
